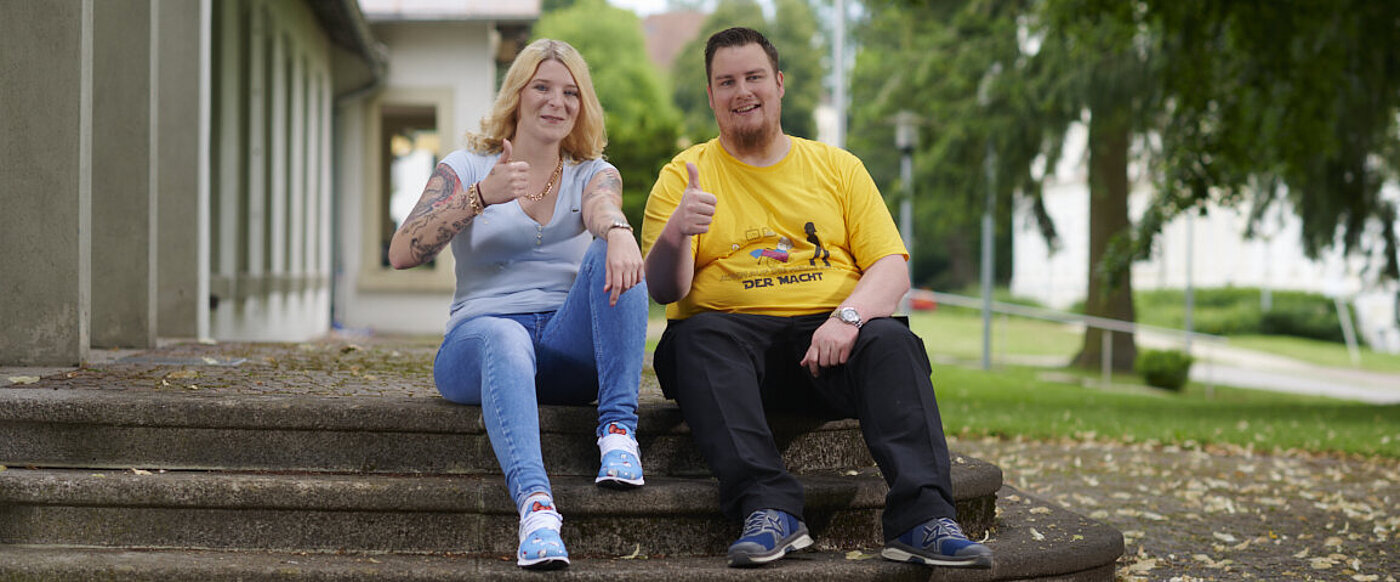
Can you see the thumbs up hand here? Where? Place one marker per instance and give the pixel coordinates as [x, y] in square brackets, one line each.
[507, 180]
[697, 207]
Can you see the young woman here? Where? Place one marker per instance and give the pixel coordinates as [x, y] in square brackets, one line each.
[550, 306]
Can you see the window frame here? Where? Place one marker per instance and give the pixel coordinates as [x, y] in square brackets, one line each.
[373, 275]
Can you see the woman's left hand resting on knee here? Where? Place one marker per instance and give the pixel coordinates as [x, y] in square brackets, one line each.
[602, 214]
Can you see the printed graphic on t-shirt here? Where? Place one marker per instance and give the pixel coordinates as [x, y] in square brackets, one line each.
[816, 241]
[773, 260]
[779, 254]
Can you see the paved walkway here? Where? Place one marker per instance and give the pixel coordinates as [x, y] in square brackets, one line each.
[1224, 365]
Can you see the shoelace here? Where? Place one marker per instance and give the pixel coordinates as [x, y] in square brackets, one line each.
[940, 529]
[547, 518]
[623, 442]
[761, 522]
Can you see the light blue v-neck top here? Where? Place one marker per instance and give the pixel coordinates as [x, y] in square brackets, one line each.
[508, 263]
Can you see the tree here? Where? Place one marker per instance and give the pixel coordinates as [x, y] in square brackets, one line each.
[1220, 98]
[793, 31]
[1295, 103]
[997, 89]
[643, 125]
[800, 46]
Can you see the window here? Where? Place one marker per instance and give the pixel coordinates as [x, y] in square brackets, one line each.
[407, 132]
[409, 147]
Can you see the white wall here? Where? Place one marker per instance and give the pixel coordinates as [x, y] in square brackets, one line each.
[450, 65]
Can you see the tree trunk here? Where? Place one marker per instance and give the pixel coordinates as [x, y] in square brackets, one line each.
[1109, 139]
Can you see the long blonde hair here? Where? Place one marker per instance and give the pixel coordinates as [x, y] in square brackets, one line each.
[589, 136]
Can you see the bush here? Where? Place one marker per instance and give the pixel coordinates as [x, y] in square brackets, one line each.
[1167, 369]
[1236, 311]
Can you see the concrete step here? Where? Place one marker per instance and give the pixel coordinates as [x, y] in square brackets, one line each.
[673, 516]
[1032, 539]
[183, 431]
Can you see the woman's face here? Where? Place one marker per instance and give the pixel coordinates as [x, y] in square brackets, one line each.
[549, 103]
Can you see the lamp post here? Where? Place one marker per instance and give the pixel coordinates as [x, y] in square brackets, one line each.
[984, 99]
[905, 138]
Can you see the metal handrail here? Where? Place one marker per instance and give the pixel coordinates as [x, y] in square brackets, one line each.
[1104, 323]
[1117, 325]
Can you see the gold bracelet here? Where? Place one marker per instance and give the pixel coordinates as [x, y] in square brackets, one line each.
[475, 203]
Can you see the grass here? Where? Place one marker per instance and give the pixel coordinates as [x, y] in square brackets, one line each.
[1038, 403]
[957, 332]
[1318, 352]
[1024, 402]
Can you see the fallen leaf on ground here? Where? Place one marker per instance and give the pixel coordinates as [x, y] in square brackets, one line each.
[1321, 563]
[1143, 565]
[140, 471]
[21, 380]
[858, 555]
[1037, 535]
[636, 553]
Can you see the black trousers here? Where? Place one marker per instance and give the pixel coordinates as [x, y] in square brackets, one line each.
[727, 371]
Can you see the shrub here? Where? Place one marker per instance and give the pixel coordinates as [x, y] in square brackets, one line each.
[1236, 310]
[1167, 369]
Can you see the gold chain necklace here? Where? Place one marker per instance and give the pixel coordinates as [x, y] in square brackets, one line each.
[558, 169]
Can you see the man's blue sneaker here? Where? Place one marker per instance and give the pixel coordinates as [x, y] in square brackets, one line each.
[769, 534]
[938, 542]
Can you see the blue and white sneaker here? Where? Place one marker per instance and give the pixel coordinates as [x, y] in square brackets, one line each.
[769, 534]
[621, 466]
[541, 548]
[938, 542]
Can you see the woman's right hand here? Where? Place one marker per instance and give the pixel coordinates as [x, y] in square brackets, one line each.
[507, 180]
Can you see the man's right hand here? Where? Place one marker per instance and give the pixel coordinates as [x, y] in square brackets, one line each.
[507, 180]
[697, 207]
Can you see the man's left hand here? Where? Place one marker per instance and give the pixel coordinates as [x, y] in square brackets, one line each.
[831, 346]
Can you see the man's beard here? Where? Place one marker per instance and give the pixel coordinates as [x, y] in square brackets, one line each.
[755, 137]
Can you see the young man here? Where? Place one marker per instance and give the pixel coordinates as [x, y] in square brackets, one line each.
[781, 265]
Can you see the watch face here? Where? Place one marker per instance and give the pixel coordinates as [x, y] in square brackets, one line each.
[849, 315]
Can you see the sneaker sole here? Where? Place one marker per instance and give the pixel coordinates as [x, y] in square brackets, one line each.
[619, 483]
[544, 564]
[749, 561]
[898, 555]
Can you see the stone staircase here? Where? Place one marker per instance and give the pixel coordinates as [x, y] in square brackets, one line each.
[109, 484]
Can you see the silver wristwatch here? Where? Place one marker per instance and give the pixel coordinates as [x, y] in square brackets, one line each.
[848, 315]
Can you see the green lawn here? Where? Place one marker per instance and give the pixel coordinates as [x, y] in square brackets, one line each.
[1057, 403]
[1031, 403]
[957, 333]
[1317, 352]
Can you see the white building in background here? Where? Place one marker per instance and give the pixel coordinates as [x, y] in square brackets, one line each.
[1212, 247]
[443, 60]
[227, 169]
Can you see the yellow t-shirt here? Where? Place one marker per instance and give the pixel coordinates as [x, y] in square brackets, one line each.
[787, 239]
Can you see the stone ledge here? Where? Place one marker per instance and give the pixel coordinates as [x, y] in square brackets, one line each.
[408, 513]
[115, 429]
[1069, 548]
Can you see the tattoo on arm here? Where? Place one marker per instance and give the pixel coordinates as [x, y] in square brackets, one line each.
[603, 203]
[434, 222]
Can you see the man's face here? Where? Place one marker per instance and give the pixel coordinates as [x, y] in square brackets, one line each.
[746, 95]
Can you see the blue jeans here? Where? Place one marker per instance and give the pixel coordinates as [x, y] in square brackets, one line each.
[510, 364]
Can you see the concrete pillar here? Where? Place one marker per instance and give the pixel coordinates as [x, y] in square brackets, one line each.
[124, 185]
[229, 149]
[45, 181]
[182, 207]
